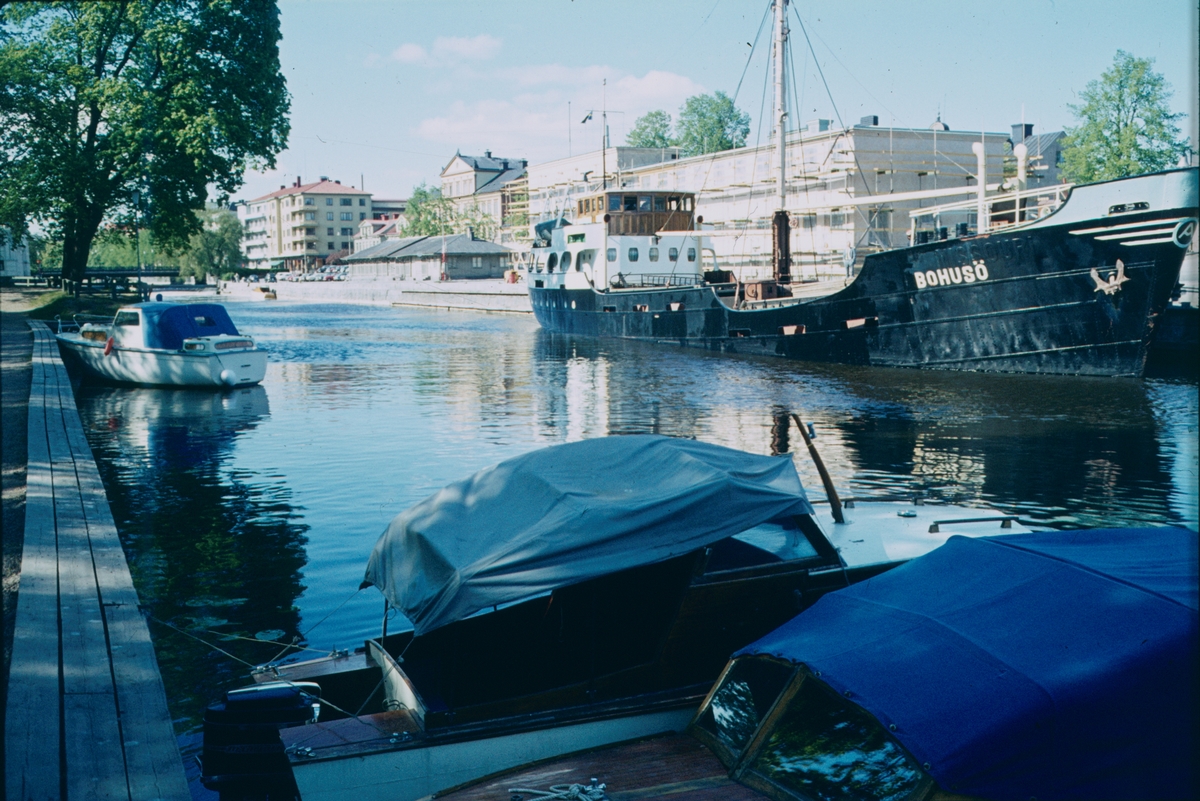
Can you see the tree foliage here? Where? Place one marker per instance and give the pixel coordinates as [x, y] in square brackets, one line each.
[652, 129]
[1125, 125]
[427, 213]
[710, 123]
[166, 97]
[217, 248]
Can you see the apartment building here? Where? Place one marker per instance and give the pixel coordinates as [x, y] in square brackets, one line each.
[303, 225]
[484, 184]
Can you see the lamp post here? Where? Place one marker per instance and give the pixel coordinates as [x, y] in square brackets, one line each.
[137, 235]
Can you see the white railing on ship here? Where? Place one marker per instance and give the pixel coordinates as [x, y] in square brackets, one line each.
[1011, 212]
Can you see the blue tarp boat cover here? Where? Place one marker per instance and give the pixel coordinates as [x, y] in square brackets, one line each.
[1052, 666]
[567, 513]
[168, 324]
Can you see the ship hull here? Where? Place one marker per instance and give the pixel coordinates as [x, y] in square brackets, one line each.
[1080, 297]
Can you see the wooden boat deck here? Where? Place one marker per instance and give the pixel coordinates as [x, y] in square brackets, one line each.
[674, 766]
[87, 713]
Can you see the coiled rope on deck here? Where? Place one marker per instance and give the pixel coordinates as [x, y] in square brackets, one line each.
[564, 792]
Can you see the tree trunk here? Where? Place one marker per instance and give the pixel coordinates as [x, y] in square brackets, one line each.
[78, 234]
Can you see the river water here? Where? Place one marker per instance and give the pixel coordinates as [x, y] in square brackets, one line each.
[248, 517]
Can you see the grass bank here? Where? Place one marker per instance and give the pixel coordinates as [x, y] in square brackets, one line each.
[59, 303]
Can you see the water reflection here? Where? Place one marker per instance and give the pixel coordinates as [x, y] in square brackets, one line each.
[215, 553]
[240, 519]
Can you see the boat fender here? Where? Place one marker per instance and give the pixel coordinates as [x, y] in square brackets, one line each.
[228, 377]
[108, 347]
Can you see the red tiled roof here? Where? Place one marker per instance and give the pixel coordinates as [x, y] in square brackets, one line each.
[317, 188]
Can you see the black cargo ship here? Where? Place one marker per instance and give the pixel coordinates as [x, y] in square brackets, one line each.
[1077, 291]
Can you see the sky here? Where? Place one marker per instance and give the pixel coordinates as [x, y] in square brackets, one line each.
[384, 92]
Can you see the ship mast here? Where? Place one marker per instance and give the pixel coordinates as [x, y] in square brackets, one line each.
[780, 227]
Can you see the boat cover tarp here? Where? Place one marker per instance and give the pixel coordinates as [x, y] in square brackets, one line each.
[168, 324]
[1054, 665]
[561, 515]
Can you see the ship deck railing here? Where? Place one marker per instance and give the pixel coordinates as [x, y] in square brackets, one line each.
[647, 280]
[1004, 210]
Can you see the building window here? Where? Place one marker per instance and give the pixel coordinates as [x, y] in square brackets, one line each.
[362, 201]
[308, 201]
[345, 245]
[329, 215]
[347, 201]
[328, 201]
[329, 245]
[328, 232]
[345, 232]
[477, 262]
[633, 254]
[310, 215]
[362, 215]
[347, 215]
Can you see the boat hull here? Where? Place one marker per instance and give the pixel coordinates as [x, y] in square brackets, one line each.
[407, 774]
[147, 366]
[1081, 297]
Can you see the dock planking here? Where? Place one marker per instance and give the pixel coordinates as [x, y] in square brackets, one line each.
[87, 714]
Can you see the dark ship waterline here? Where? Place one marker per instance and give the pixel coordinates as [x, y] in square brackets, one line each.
[1076, 291]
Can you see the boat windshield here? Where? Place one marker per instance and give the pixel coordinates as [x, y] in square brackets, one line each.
[823, 746]
[781, 537]
[737, 707]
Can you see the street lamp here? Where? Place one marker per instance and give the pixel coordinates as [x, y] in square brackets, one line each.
[137, 235]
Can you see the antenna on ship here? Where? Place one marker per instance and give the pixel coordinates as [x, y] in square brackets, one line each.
[780, 226]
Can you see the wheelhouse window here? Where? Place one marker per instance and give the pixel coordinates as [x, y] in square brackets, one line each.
[673, 254]
[614, 202]
[633, 254]
[644, 203]
[629, 202]
[653, 254]
[660, 203]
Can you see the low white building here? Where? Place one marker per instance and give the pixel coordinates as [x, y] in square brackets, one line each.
[845, 189]
[14, 257]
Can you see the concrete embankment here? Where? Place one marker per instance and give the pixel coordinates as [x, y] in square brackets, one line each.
[479, 295]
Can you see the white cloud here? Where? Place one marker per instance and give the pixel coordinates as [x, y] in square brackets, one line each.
[458, 48]
[409, 53]
[533, 123]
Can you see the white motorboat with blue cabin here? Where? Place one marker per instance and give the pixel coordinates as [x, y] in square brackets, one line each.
[166, 344]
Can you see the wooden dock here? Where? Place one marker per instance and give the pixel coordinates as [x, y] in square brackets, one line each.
[87, 713]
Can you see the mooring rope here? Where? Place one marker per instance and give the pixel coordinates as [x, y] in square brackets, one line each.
[564, 792]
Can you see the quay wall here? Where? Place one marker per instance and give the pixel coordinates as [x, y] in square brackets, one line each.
[478, 294]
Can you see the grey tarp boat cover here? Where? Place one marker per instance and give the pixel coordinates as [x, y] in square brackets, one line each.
[567, 513]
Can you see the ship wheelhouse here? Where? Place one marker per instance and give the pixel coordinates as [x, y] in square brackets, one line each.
[622, 240]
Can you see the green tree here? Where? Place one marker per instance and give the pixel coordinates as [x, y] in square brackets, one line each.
[652, 129]
[1125, 125]
[427, 213]
[166, 97]
[710, 123]
[217, 248]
